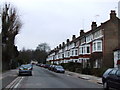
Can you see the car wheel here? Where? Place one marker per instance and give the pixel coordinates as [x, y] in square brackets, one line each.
[105, 86]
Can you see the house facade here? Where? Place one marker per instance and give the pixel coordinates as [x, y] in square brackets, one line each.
[93, 48]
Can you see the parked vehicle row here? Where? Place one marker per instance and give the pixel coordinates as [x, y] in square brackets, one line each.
[55, 68]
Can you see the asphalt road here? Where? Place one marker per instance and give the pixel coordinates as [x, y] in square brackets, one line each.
[43, 78]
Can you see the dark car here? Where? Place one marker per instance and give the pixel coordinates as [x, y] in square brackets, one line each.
[111, 78]
[38, 64]
[46, 65]
[25, 70]
[52, 67]
[59, 69]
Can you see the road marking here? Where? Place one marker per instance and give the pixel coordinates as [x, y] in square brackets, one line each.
[18, 83]
[14, 83]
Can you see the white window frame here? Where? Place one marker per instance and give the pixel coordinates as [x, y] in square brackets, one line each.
[96, 45]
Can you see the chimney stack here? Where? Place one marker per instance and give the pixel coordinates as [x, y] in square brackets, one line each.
[59, 45]
[112, 14]
[68, 41]
[63, 44]
[73, 37]
[94, 25]
[82, 32]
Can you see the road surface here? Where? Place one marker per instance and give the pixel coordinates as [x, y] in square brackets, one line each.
[43, 78]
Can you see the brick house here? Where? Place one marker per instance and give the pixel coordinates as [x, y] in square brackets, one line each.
[93, 48]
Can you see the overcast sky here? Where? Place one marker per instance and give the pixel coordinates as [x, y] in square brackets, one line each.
[54, 21]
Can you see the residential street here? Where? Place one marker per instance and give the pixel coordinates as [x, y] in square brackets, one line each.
[43, 78]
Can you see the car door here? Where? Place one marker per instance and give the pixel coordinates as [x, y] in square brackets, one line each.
[118, 79]
[112, 79]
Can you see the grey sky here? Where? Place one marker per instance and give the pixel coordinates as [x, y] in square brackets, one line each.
[54, 21]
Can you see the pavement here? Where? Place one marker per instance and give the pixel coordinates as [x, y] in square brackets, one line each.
[7, 77]
[86, 77]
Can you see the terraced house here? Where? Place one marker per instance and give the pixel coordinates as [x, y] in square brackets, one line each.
[94, 48]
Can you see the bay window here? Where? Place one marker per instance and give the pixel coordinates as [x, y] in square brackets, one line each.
[97, 46]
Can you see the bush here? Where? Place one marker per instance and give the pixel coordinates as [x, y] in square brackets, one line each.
[86, 71]
[72, 66]
[98, 71]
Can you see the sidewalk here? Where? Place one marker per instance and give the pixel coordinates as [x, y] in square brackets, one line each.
[7, 77]
[86, 77]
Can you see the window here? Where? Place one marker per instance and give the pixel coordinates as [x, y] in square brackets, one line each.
[89, 38]
[62, 55]
[94, 46]
[99, 46]
[82, 49]
[72, 52]
[88, 49]
[76, 52]
[68, 54]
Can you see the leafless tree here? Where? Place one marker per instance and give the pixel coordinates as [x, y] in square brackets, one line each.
[11, 25]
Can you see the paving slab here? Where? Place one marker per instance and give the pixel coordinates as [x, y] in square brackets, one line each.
[86, 77]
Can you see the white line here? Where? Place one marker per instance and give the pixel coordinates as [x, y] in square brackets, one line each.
[15, 83]
[18, 83]
[9, 86]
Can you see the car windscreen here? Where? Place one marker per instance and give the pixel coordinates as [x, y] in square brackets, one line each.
[60, 67]
[107, 71]
[25, 66]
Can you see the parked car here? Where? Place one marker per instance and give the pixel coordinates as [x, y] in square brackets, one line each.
[42, 65]
[59, 68]
[52, 67]
[25, 70]
[46, 65]
[111, 78]
[38, 64]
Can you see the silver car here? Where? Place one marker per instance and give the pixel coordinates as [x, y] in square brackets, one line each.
[25, 70]
[59, 68]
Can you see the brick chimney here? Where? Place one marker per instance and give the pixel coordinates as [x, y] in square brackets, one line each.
[93, 26]
[63, 44]
[60, 46]
[112, 14]
[82, 32]
[68, 41]
[73, 37]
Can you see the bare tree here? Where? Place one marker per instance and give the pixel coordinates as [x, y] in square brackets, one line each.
[11, 25]
[43, 47]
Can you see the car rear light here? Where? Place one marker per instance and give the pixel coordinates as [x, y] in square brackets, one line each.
[20, 68]
[29, 68]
